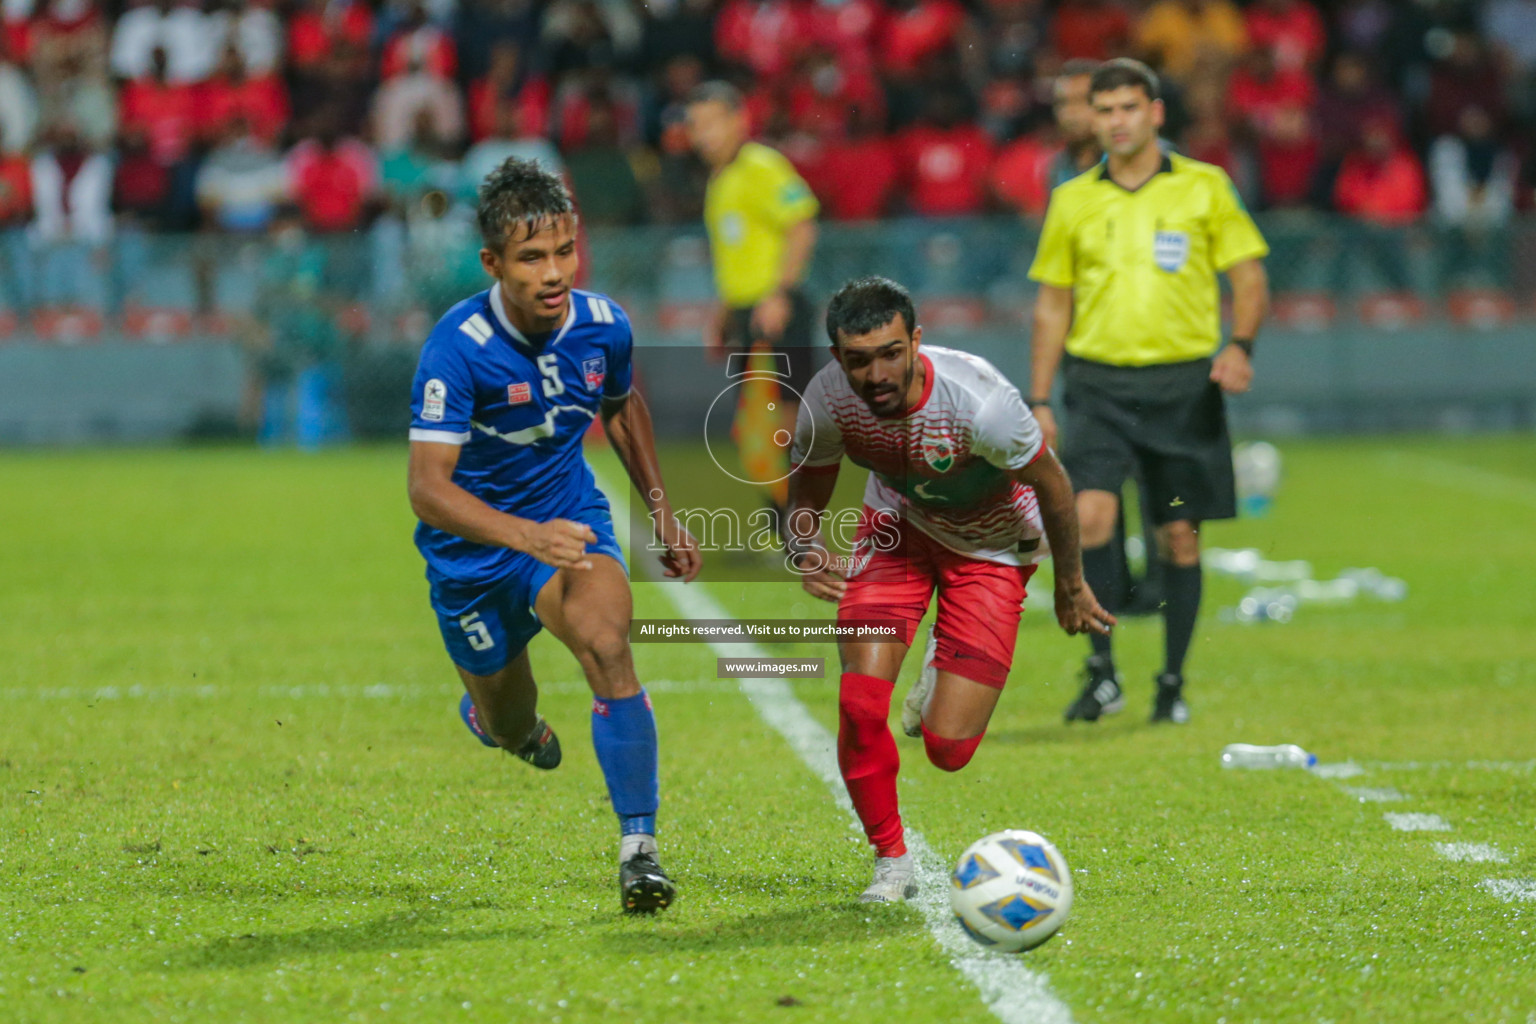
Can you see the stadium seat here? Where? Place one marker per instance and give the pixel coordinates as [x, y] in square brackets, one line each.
[158, 326]
[949, 311]
[68, 325]
[684, 316]
[1482, 309]
[413, 326]
[354, 320]
[1311, 312]
[1391, 311]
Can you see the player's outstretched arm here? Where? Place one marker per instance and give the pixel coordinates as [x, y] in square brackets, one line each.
[439, 502]
[1077, 609]
[810, 490]
[627, 422]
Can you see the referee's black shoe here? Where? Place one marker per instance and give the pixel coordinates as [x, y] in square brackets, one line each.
[1168, 705]
[1101, 691]
[643, 886]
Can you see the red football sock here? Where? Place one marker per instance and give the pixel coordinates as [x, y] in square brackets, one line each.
[866, 753]
[950, 755]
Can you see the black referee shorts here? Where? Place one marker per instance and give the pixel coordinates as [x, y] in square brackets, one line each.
[1169, 422]
[798, 344]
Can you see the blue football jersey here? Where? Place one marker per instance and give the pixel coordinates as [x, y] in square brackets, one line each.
[519, 409]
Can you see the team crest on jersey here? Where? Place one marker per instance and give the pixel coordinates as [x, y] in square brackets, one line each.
[939, 454]
[593, 371]
[1170, 250]
[519, 394]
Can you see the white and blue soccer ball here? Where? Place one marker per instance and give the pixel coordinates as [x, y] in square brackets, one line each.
[1011, 891]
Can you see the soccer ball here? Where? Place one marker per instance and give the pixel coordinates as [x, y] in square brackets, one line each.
[1011, 891]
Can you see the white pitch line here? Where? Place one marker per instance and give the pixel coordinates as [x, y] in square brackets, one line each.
[1369, 795]
[1435, 766]
[1489, 482]
[1013, 992]
[1511, 889]
[1417, 822]
[1472, 853]
[1343, 770]
[322, 691]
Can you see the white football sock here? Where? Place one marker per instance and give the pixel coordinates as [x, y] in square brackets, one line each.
[636, 842]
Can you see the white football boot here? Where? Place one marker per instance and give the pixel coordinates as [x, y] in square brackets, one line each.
[895, 880]
[912, 707]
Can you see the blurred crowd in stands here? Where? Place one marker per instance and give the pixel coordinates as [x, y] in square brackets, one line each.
[229, 115]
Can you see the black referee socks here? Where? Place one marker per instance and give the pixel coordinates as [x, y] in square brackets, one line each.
[1101, 571]
[1181, 606]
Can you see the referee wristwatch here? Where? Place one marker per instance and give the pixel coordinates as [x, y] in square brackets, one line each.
[1246, 344]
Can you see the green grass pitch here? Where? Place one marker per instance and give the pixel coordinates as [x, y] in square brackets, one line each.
[233, 786]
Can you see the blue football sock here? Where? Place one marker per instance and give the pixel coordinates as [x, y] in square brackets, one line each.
[624, 735]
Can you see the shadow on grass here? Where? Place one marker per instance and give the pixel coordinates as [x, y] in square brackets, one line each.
[800, 926]
[704, 919]
[410, 930]
[1075, 735]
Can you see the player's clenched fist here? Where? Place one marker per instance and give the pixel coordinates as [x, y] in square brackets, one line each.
[561, 543]
[681, 557]
[1079, 611]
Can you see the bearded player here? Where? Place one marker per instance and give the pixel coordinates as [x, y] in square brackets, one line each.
[516, 535]
[961, 488]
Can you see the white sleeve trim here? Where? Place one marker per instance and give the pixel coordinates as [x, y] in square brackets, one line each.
[439, 436]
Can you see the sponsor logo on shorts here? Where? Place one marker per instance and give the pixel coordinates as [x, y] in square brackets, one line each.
[433, 399]
[519, 394]
[600, 708]
[1170, 250]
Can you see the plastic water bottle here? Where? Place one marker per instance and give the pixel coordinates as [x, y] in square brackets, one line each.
[1246, 755]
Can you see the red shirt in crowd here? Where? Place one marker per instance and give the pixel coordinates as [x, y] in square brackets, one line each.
[1021, 174]
[332, 186]
[141, 183]
[811, 109]
[428, 45]
[860, 176]
[850, 28]
[914, 35]
[1090, 28]
[1258, 100]
[15, 190]
[1288, 159]
[1295, 34]
[766, 37]
[167, 113]
[946, 169]
[531, 102]
[312, 32]
[1388, 191]
[262, 102]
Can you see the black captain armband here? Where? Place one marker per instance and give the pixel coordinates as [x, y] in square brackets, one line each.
[1038, 403]
[1246, 344]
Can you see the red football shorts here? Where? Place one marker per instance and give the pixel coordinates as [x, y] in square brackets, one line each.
[979, 601]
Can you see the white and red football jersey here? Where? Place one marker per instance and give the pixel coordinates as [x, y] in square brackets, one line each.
[944, 465]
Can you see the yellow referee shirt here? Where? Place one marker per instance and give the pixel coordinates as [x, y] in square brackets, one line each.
[749, 205]
[1142, 265]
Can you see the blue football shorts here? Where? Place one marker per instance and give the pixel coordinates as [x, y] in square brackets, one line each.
[486, 625]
